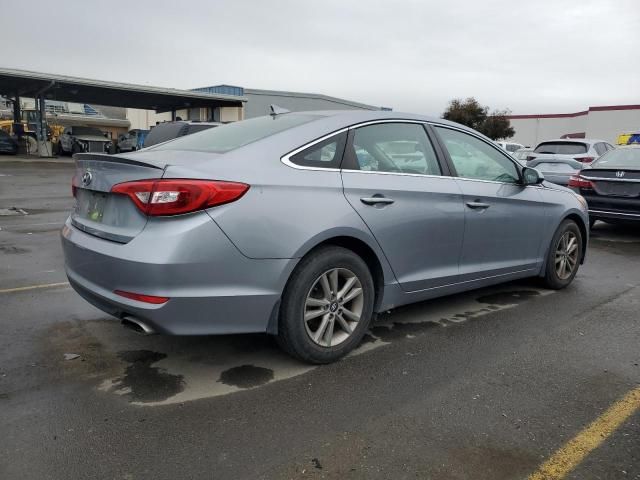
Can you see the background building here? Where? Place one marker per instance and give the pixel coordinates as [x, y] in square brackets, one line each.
[257, 104]
[603, 122]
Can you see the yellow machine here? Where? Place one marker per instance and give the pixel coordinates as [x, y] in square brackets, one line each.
[623, 138]
[28, 122]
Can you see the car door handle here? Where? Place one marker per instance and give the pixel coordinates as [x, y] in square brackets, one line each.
[476, 205]
[376, 200]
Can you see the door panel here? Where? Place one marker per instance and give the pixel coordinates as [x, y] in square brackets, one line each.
[391, 178]
[505, 236]
[504, 220]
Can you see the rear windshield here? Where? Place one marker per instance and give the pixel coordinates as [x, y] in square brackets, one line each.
[198, 127]
[561, 148]
[235, 135]
[87, 131]
[163, 132]
[621, 158]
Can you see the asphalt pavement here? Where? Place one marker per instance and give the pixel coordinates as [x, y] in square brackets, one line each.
[489, 384]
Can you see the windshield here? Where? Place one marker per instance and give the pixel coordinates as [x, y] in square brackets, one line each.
[87, 131]
[234, 135]
[620, 158]
[562, 148]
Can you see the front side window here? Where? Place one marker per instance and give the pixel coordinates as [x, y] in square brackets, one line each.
[393, 147]
[477, 160]
[325, 154]
[512, 147]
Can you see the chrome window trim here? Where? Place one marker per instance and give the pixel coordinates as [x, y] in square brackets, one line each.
[402, 174]
[286, 159]
[605, 179]
[386, 120]
[609, 212]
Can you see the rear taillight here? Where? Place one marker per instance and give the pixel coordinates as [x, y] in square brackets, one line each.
[577, 181]
[177, 196]
[142, 298]
[585, 159]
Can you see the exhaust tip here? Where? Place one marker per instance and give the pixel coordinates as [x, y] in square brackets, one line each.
[137, 326]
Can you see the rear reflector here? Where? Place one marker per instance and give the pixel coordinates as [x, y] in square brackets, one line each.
[577, 181]
[178, 196]
[142, 298]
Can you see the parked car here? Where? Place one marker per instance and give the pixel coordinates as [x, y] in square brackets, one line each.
[611, 186]
[509, 146]
[277, 224]
[83, 139]
[8, 144]
[166, 131]
[521, 155]
[132, 140]
[583, 150]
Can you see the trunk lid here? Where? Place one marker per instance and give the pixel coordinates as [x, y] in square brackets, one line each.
[102, 213]
[614, 182]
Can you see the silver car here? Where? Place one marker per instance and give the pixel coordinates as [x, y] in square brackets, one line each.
[304, 225]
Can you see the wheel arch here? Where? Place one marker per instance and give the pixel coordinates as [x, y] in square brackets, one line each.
[584, 231]
[358, 246]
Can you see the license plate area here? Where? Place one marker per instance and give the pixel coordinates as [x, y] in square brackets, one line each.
[619, 189]
[91, 204]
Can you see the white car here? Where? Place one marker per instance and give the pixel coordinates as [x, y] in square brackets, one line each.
[509, 146]
[583, 150]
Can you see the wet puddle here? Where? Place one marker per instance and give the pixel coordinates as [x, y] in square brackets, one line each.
[162, 370]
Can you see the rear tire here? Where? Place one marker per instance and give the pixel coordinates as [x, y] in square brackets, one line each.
[565, 254]
[318, 322]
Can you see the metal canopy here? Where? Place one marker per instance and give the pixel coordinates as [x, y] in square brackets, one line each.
[25, 83]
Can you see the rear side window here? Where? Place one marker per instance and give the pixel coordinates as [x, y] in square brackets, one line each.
[562, 148]
[394, 148]
[512, 147]
[600, 148]
[235, 135]
[325, 154]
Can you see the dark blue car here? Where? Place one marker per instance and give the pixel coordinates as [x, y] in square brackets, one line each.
[8, 144]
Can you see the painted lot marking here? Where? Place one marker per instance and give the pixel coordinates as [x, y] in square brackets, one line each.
[214, 366]
[34, 287]
[573, 452]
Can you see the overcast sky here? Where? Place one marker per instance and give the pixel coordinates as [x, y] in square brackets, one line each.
[529, 56]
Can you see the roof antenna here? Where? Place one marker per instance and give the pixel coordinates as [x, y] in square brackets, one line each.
[276, 110]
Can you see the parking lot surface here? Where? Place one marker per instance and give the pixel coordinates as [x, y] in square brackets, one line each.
[488, 384]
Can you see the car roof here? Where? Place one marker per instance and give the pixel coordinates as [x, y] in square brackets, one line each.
[574, 140]
[350, 117]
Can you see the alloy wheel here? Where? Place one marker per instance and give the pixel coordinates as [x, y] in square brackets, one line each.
[566, 255]
[333, 307]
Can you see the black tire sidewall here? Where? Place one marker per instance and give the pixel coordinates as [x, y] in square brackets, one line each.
[551, 277]
[292, 333]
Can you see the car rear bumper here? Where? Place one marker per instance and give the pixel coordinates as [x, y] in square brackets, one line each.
[212, 288]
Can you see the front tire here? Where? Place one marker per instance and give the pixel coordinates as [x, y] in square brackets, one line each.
[327, 305]
[565, 254]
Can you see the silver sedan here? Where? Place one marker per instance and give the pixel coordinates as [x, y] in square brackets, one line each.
[304, 225]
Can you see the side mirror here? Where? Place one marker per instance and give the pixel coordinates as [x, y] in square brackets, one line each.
[531, 176]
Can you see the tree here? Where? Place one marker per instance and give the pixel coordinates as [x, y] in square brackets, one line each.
[469, 112]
